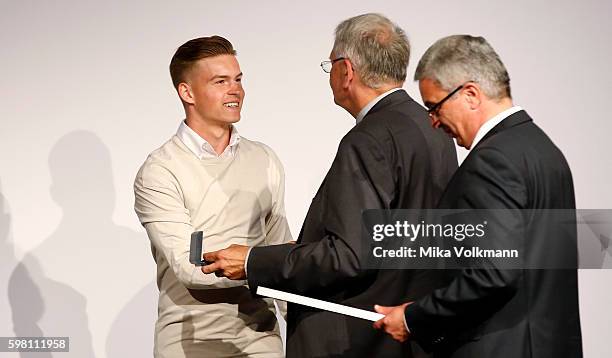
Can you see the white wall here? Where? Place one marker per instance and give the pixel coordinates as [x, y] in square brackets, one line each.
[85, 95]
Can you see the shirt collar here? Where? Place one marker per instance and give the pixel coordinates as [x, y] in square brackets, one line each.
[491, 123]
[200, 147]
[372, 103]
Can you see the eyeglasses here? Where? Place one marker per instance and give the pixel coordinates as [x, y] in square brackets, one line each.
[433, 110]
[327, 65]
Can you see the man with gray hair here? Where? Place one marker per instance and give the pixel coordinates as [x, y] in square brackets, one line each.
[512, 166]
[391, 159]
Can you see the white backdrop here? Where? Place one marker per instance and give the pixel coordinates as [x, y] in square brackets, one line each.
[85, 95]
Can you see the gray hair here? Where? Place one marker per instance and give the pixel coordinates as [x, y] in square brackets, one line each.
[457, 59]
[378, 48]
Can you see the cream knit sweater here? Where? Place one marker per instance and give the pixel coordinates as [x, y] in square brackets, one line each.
[233, 200]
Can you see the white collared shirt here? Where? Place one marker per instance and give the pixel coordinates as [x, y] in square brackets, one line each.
[201, 148]
[491, 123]
[372, 103]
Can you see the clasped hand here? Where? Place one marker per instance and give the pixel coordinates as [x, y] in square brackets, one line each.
[228, 262]
[393, 323]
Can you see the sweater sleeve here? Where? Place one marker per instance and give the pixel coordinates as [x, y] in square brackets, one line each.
[277, 228]
[160, 207]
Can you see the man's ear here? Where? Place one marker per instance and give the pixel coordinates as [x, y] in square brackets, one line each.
[349, 73]
[473, 94]
[184, 91]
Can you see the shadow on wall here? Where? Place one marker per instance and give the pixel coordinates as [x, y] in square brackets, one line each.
[7, 265]
[131, 334]
[595, 239]
[43, 307]
[77, 280]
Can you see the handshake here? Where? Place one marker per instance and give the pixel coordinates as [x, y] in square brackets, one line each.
[230, 263]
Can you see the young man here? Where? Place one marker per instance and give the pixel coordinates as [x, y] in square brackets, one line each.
[208, 178]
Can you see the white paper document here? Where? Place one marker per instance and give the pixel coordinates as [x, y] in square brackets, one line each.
[322, 305]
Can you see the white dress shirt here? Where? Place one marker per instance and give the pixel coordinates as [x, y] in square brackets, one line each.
[201, 148]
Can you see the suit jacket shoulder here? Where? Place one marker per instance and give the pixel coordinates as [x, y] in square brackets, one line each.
[517, 150]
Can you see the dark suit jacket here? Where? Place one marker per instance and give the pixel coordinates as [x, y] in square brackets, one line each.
[509, 313]
[391, 159]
